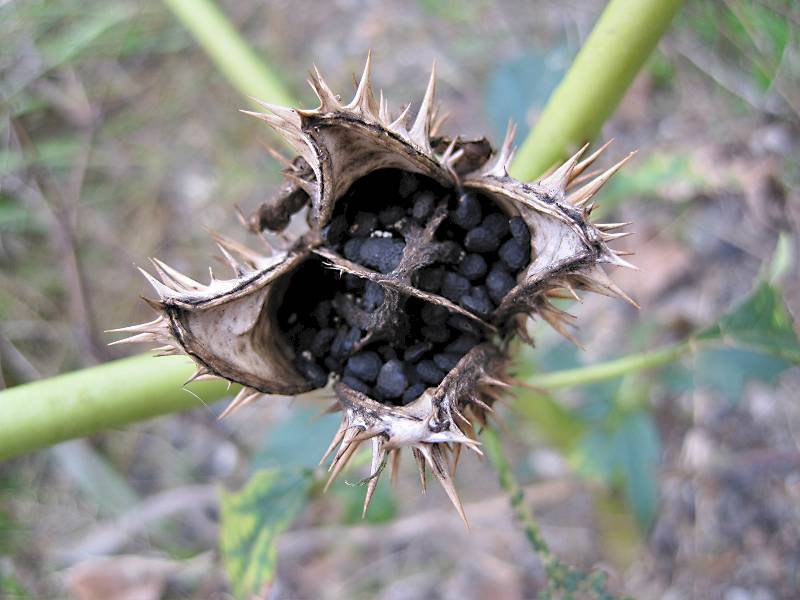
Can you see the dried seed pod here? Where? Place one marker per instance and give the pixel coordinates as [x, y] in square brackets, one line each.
[422, 259]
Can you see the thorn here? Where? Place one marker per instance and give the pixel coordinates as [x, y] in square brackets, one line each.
[489, 380]
[558, 324]
[157, 324]
[395, 465]
[237, 267]
[609, 237]
[161, 289]
[587, 192]
[399, 124]
[340, 463]
[435, 460]
[378, 455]
[364, 101]
[498, 167]
[288, 115]
[244, 397]
[337, 437]
[611, 226]
[280, 158]
[139, 338]
[420, 130]
[423, 480]
[586, 162]
[329, 102]
[383, 110]
[614, 259]
[556, 182]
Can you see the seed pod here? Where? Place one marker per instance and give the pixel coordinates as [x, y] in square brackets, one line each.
[421, 261]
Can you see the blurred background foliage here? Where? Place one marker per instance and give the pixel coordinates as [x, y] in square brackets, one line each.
[121, 140]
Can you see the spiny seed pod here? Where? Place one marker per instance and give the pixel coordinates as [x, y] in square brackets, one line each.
[422, 260]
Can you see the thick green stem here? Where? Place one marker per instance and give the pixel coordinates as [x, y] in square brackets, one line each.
[610, 369]
[618, 46]
[230, 52]
[77, 404]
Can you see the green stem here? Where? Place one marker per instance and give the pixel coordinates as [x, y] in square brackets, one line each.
[111, 395]
[230, 52]
[618, 46]
[494, 450]
[610, 369]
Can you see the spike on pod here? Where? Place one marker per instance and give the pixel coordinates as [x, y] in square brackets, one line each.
[420, 259]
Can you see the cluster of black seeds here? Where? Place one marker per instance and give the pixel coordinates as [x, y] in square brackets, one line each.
[382, 341]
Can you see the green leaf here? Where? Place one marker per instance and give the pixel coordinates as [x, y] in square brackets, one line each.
[299, 440]
[251, 520]
[624, 452]
[761, 324]
[727, 370]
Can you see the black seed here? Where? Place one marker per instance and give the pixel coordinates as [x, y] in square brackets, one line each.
[417, 351]
[391, 215]
[373, 295]
[498, 283]
[353, 283]
[433, 314]
[468, 212]
[322, 313]
[311, 371]
[454, 286]
[446, 361]
[322, 342]
[514, 254]
[392, 380]
[423, 207]
[408, 184]
[344, 341]
[497, 223]
[364, 224]
[352, 249]
[336, 230]
[414, 392]
[383, 254]
[437, 334]
[520, 230]
[477, 301]
[430, 279]
[387, 352]
[462, 344]
[429, 372]
[364, 365]
[464, 324]
[481, 239]
[449, 252]
[473, 267]
[356, 384]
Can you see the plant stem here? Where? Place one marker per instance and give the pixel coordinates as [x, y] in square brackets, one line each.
[38, 414]
[606, 65]
[494, 450]
[610, 369]
[231, 54]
